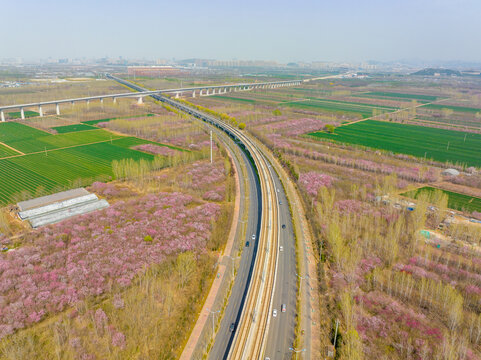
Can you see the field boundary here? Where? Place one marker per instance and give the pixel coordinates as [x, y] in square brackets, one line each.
[374, 117]
[422, 142]
[11, 148]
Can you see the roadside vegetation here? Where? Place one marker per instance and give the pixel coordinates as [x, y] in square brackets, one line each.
[400, 275]
[124, 282]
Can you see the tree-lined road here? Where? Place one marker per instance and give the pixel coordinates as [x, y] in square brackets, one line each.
[266, 275]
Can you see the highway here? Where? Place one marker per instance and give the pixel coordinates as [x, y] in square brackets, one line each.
[281, 330]
[258, 287]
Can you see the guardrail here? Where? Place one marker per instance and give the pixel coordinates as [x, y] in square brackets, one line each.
[259, 298]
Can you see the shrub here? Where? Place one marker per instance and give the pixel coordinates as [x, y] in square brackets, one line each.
[330, 128]
[276, 112]
[148, 238]
[242, 126]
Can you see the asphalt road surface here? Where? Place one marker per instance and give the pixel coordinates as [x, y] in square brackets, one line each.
[281, 329]
[232, 313]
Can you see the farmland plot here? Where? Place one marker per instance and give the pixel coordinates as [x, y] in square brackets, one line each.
[438, 144]
[60, 168]
[456, 201]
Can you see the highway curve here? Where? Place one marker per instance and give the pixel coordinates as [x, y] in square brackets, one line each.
[254, 296]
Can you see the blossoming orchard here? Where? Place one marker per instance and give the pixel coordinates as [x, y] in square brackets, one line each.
[97, 253]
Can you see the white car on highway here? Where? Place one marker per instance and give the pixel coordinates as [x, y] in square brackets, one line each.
[274, 313]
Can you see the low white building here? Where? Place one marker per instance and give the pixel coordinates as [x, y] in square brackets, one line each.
[450, 172]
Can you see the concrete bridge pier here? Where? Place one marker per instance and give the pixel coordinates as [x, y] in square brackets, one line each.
[40, 111]
[101, 101]
[176, 95]
[73, 103]
[57, 108]
[2, 115]
[22, 113]
[193, 94]
[140, 100]
[88, 103]
[114, 100]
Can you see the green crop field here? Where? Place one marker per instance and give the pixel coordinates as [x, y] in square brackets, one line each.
[18, 114]
[452, 107]
[129, 142]
[28, 140]
[456, 201]
[95, 122]
[251, 101]
[12, 131]
[6, 151]
[438, 144]
[401, 96]
[338, 106]
[349, 104]
[59, 168]
[72, 128]
[55, 162]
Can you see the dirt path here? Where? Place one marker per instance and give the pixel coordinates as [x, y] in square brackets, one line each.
[295, 101]
[62, 148]
[377, 117]
[11, 148]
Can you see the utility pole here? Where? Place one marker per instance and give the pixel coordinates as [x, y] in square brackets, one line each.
[233, 263]
[213, 318]
[300, 282]
[335, 334]
[211, 146]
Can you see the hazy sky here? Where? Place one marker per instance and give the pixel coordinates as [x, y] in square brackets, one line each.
[283, 30]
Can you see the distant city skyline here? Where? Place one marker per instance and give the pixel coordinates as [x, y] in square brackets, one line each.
[305, 30]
